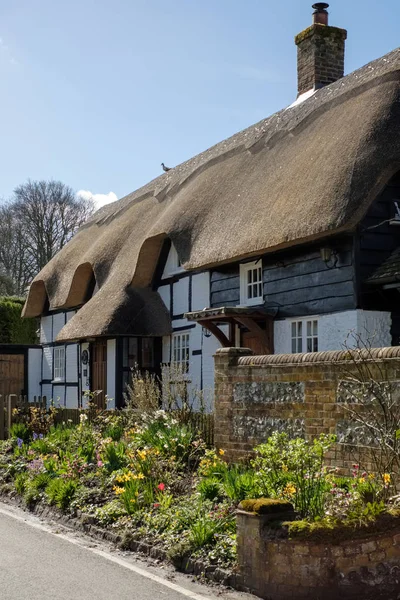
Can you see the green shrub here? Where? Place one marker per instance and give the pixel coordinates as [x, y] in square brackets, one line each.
[109, 513]
[114, 456]
[293, 469]
[115, 431]
[238, 483]
[209, 488]
[168, 436]
[14, 329]
[20, 483]
[61, 492]
[21, 431]
[41, 481]
[202, 531]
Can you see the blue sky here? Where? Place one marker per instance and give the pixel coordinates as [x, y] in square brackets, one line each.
[97, 93]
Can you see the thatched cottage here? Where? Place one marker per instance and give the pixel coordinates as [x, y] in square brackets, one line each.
[282, 238]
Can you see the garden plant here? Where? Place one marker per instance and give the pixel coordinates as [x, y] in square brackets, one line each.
[148, 475]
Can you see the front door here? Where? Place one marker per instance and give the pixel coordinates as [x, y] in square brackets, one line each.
[99, 372]
[249, 340]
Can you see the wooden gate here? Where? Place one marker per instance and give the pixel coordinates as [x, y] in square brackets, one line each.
[99, 372]
[12, 374]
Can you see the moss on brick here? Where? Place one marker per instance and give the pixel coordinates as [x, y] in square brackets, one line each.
[322, 31]
[266, 506]
[334, 532]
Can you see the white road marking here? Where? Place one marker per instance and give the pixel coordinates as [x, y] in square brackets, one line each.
[115, 559]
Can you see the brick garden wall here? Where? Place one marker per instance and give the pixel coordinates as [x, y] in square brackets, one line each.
[363, 569]
[302, 394]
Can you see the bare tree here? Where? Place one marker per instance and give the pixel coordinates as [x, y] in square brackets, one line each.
[35, 224]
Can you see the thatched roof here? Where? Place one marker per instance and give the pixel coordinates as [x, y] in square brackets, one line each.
[302, 174]
[388, 271]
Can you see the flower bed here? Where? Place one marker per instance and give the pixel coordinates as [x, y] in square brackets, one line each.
[149, 479]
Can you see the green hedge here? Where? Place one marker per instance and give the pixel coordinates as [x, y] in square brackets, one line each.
[14, 329]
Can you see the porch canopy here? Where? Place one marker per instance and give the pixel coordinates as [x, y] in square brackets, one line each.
[387, 274]
[258, 321]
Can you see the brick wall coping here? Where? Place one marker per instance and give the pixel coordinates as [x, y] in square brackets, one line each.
[245, 356]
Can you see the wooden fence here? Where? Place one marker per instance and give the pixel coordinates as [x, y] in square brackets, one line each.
[12, 407]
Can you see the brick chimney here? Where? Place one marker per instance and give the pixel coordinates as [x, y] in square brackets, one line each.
[320, 52]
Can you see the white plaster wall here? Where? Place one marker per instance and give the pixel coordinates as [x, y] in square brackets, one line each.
[181, 296]
[166, 349]
[47, 391]
[46, 326]
[165, 293]
[71, 399]
[47, 362]
[171, 264]
[374, 327]
[59, 395]
[111, 367]
[71, 370]
[58, 324]
[210, 346]
[337, 330]
[34, 372]
[201, 291]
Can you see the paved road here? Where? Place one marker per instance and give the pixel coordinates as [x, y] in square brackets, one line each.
[46, 562]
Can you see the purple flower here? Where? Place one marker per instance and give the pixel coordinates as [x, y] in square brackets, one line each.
[35, 436]
[40, 436]
[19, 442]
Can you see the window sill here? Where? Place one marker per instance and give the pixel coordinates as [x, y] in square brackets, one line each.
[255, 302]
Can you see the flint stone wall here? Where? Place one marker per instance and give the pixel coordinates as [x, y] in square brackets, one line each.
[302, 394]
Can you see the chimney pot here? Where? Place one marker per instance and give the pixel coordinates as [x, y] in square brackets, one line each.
[320, 14]
[320, 52]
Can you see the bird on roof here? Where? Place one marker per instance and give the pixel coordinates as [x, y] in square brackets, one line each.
[166, 169]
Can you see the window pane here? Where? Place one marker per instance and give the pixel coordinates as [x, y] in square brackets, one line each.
[299, 329]
[309, 345]
[293, 330]
[147, 353]
[300, 345]
[308, 328]
[315, 348]
[315, 327]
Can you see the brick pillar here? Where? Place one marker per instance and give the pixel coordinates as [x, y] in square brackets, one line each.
[320, 56]
[224, 360]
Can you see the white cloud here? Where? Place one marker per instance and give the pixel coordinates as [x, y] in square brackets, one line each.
[98, 199]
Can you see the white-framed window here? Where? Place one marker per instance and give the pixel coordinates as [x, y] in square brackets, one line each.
[304, 336]
[251, 284]
[59, 363]
[297, 337]
[180, 351]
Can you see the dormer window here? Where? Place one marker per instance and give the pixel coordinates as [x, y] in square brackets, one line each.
[173, 264]
[251, 284]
